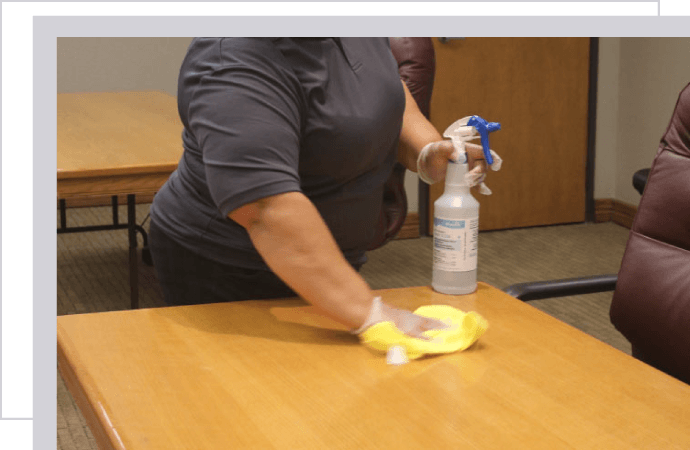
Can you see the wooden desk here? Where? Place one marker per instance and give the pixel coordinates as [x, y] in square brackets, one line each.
[115, 143]
[273, 374]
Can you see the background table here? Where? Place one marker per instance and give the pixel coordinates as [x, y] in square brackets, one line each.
[115, 143]
[274, 374]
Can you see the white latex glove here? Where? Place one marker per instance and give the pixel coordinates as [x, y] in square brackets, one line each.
[477, 175]
[433, 161]
[406, 321]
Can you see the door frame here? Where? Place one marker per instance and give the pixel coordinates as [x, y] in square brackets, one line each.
[591, 128]
[423, 188]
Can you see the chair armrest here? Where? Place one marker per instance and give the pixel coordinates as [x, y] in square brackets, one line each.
[562, 288]
[640, 180]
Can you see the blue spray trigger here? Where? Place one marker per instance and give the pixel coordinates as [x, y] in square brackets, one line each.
[484, 128]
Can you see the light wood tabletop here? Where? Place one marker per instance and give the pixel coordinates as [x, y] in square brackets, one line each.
[275, 374]
[111, 143]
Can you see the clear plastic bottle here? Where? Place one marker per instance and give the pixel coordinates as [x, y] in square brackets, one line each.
[456, 234]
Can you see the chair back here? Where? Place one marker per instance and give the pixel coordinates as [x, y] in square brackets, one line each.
[416, 64]
[651, 303]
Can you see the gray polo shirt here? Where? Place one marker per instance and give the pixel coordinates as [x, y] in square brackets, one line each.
[264, 116]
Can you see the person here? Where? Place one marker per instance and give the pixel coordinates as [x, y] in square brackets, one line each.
[287, 145]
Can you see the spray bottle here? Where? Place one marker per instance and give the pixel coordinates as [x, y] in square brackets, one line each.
[456, 214]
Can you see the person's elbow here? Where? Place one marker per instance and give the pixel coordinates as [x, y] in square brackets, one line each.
[266, 211]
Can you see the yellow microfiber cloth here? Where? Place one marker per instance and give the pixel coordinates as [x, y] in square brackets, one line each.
[463, 330]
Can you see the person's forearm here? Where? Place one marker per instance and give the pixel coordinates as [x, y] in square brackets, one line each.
[416, 132]
[290, 235]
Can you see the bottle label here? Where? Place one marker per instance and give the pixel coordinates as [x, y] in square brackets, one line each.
[455, 244]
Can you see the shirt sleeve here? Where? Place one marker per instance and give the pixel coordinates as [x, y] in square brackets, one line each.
[246, 115]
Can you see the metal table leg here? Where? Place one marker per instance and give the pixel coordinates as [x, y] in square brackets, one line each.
[132, 229]
[133, 269]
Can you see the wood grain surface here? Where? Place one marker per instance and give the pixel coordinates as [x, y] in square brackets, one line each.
[276, 374]
[117, 133]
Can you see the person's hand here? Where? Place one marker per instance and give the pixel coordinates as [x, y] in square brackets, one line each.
[478, 167]
[433, 162]
[406, 321]
[410, 323]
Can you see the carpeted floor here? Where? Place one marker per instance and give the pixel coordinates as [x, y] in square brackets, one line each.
[92, 276]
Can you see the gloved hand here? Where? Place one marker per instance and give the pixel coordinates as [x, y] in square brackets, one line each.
[433, 161]
[405, 321]
[477, 173]
[431, 329]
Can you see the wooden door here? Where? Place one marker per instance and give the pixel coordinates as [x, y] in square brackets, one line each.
[537, 88]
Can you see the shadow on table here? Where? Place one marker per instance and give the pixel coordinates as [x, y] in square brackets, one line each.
[290, 320]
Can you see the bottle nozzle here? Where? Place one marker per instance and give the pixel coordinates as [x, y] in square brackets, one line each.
[484, 128]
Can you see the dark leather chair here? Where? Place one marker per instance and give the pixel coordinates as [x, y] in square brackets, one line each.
[651, 302]
[416, 64]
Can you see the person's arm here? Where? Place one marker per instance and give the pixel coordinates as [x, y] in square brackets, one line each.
[289, 233]
[417, 132]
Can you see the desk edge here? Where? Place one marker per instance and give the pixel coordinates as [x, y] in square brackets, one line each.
[117, 171]
[94, 418]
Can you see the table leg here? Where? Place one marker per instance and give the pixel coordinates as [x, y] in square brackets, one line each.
[133, 269]
[113, 201]
[63, 214]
